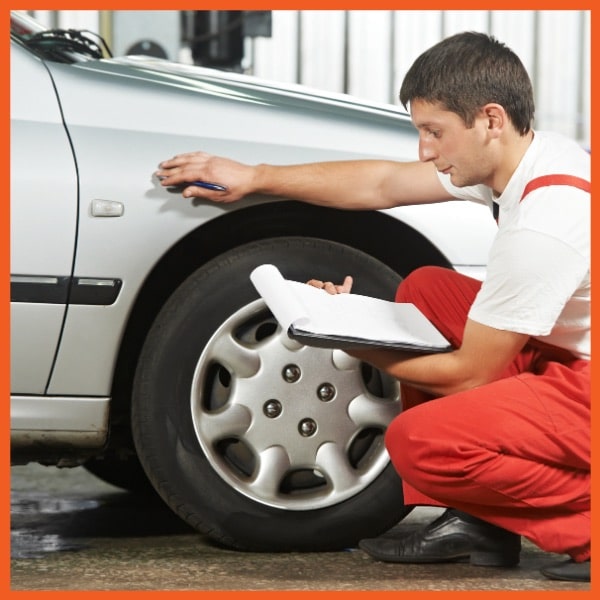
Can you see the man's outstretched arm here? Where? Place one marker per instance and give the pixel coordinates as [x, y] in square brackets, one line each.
[361, 184]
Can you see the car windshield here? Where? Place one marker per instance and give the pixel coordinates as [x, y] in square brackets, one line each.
[59, 45]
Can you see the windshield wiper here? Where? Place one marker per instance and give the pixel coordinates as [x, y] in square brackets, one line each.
[64, 45]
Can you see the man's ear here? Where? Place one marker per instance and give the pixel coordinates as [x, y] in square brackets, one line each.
[496, 118]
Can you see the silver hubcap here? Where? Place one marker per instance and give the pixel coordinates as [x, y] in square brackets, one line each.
[289, 426]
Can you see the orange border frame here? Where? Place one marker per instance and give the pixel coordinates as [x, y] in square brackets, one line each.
[5, 250]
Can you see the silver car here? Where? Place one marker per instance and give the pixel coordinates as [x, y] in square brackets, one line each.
[139, 347]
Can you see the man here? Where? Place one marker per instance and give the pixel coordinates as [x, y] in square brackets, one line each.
[506, 442]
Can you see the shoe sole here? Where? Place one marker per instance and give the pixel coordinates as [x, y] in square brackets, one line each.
[477, 559]
[492, 559]
[558, 577]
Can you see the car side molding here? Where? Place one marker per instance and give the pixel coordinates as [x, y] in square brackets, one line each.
[50, 289]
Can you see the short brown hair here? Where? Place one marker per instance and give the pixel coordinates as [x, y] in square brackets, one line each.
[468, 70]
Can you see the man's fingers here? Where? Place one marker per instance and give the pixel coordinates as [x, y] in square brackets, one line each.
[332, 288]
[315, 283]
[180, 159]
[346, 286]
[182, 167]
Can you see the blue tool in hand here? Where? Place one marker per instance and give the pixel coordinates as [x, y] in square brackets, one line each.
[210, 186]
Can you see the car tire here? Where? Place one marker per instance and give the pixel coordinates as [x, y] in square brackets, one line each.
[257, 457]
[125, 473]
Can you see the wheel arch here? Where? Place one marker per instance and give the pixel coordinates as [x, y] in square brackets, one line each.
[394, 243]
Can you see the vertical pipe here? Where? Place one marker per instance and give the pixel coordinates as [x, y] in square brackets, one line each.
[581, 62]
[105, 26]
[299, 46]
[346, 52]
[535, 65]
[392, 70]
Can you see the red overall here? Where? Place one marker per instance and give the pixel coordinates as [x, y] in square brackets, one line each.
[515, 452]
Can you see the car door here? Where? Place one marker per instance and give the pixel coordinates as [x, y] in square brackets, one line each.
[43, 205]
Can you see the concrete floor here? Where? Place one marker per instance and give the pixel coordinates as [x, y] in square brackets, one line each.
[70, 531]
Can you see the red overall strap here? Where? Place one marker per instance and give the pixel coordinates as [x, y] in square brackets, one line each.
[545, 180]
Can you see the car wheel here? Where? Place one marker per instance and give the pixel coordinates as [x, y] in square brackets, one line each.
[252, 438]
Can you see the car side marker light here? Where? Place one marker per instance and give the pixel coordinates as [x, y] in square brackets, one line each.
[107, 208]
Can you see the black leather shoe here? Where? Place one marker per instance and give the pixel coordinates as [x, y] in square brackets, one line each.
[569, 570]
[453, 536]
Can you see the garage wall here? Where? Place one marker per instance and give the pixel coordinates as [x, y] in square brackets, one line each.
[367, 53]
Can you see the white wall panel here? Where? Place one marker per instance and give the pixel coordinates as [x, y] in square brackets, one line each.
[455, 21]
[416, 31]
[369, 54]
[559, 82]
[78, 19]
[322, 49]
[276, 58]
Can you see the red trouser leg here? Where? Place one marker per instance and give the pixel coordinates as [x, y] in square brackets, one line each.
[514, 452]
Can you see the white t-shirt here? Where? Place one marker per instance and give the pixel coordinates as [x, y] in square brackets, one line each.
[538, 273]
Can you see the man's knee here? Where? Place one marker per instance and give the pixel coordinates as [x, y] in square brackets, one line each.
[420, 450]
[400, 447]
[417, 283]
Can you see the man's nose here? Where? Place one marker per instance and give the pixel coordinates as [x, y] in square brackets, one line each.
[426, 151]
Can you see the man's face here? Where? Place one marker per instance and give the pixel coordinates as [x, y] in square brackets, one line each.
[461, 152]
